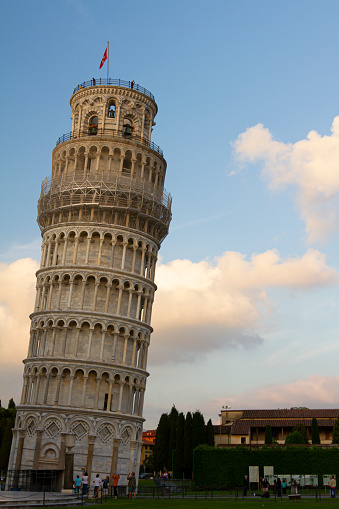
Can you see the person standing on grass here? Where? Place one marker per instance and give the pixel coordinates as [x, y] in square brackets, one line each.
[332, 485]
[84, 483]
[115, 478]
[97, 482]
[245, 485]
[132, 484]
[105, 485]
[77, 484]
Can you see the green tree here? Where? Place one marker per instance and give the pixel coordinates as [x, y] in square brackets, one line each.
[315, 431]
[180, 445]
[161, 443]
[335, 439]
[295, 438]
[173, 417]
[268, 434]
[300, 428]
[209, 433]
[5, 448]
[188, 452]
[11, 403]
[198, 429]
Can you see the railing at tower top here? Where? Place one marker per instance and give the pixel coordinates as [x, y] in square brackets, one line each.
[113, 133]
[115, 82]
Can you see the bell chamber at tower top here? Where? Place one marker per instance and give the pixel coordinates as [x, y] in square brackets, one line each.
[107, 169]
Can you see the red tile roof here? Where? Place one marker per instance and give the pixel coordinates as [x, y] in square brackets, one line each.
[277, 418]
[290, 413]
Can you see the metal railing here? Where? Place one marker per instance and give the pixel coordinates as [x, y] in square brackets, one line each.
[112, 133]
[115, 82]
[105, 182]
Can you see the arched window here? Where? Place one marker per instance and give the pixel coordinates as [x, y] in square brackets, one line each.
[93, 125]
[111, 109]
[127, 128]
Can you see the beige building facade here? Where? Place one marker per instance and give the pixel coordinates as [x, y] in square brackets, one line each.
[103, 215]
[247, 427]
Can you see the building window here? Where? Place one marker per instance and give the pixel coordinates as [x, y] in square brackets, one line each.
[243, 440]
[111, 109]
[128, 128]
[93, 126]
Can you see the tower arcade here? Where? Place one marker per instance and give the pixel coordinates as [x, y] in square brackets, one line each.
[103, 215]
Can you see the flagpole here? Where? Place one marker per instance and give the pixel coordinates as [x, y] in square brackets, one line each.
[107, 60]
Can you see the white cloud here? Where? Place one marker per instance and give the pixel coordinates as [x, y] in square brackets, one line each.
[207, 306]
[17, 294]
[313, 392]
[311, 165]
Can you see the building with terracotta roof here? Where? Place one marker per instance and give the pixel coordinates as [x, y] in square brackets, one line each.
[247, 427]
[148, 440]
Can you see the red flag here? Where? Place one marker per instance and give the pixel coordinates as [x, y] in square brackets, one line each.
[103, 60]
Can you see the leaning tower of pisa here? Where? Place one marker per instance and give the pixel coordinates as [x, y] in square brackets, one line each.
[103, 215]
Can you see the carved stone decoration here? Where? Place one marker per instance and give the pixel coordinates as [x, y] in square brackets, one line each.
[31, 426]
[106, 432]
[52, 428]
[80, 429]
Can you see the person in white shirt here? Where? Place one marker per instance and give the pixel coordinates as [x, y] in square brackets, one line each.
[84, 481]
[97, 482]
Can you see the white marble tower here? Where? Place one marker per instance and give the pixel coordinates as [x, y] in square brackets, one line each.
[103, 215]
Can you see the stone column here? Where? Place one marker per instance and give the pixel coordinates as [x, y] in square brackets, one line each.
[87, 248]
[46, 389]
[142, 261]
[59, 293]
[95, 296]
[141, 401]
[129, 301]
[22, 433]
[83, 293]
[91, 441]
[54, 327]
[61, 462]
[121, 383]
[89, 343]
[119, 299]
[113, 249]
[133, 260]
[35, 402]
[123, 259]
[69, 461]
[98, 381]
[70, 389]
[114, 463]
[84, 391]
[56, 401]
[37, 448]
[108, 409]
[69, 303]
[76, 241]
[64, 252]
[103, 334]
[100, 251]
[115, 339]
[125, 349]
[108, 290]
[131, 456]
[138, 460]
[138, 305]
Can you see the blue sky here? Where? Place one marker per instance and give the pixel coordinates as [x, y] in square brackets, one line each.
[239, 85]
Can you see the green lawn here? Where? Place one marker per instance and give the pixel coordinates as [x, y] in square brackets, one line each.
[208, 503]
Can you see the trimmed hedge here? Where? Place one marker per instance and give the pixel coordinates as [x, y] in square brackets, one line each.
[227, 467]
